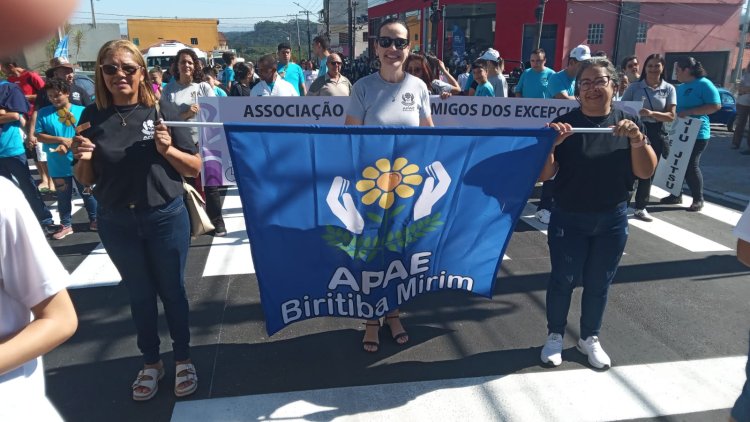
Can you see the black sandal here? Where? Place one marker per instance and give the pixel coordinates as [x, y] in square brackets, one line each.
[397, 337]
[374, 344]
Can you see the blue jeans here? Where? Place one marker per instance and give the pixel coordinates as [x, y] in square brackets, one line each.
[149, 247]
[16, 169]
[584, 248]
[64, 189]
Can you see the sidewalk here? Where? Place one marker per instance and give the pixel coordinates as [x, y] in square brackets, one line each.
[725, 170]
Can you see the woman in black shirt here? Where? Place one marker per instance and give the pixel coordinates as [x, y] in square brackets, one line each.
[136, 166]
[588, 227]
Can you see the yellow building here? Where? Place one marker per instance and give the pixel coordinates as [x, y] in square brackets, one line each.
[199, 33]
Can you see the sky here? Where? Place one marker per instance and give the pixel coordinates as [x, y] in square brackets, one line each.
[233, 15]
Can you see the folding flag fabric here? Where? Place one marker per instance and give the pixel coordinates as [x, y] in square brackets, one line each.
[356, 221]
[62, 48]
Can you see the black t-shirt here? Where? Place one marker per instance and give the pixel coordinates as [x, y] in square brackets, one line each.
[239, 90]
[595, 172]
[78, 96]
[129, 169]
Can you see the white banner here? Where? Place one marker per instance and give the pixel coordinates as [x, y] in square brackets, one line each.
[455, 111]
[670, 173]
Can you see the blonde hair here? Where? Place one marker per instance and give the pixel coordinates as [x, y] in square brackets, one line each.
[103, 96]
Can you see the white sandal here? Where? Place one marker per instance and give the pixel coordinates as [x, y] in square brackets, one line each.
[147, 378]
[190, 375]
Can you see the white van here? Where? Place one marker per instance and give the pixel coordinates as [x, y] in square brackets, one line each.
[163, 54]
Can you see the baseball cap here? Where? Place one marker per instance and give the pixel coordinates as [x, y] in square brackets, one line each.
[581, 53]
[491, 54]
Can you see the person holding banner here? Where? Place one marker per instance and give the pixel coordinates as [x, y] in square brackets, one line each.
[390, 97]
[183, 91]
[741, 409]
[659, 100]
[136, 164]
[588, 227]
[697, 97]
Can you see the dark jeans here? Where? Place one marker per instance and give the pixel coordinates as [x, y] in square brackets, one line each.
[16, 169]
[740, 124]
[659, 140]
[584, 248]
[693, 176]
[546, 200]
[149, 247]
[64, 190]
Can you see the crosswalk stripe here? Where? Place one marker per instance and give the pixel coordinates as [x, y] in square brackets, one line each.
[529, 217]
[231, 254]
[623, 392]
[717, 212]
[96, 270]
[678, 236]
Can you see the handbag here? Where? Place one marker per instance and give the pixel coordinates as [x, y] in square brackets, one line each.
[199, 221]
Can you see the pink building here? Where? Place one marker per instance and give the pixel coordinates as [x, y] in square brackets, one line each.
[705, 29]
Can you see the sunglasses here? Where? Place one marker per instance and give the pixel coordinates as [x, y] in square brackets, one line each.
[386, 42]
[110, 69]
[335, 63]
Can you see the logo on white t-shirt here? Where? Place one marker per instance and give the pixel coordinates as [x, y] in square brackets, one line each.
[148, 130]
[407, 99]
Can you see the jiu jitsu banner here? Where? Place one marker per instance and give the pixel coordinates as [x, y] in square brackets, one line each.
[670, 173]
[356, 221]
[452, 112]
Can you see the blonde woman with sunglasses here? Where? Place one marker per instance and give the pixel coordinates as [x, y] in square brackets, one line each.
[136, 165]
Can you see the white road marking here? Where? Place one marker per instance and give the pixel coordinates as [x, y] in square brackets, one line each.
[96, 270]
[230, 254]
[678, 236]
[624, 392]
[717, 212]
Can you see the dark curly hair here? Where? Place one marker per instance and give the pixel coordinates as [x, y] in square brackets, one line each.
[197, 73]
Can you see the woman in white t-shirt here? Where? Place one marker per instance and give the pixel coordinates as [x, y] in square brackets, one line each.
[183, 91]
[32, 281]
[390, 97]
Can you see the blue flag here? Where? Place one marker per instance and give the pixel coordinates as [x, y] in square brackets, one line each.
[356, 221]
[62, 48]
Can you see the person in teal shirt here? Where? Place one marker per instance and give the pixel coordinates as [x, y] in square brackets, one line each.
[290, 71]
[484, 87]
[56, 127]
[562, 84]
[533, 81]
[697, 97]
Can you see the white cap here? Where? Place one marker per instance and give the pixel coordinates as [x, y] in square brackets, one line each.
[491, 54]
[581, 53]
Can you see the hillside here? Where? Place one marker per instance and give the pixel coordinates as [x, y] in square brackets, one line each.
[267, 35]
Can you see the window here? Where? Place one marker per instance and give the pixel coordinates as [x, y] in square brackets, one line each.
[194, 41]
[640, 37]
[344, 38]
[136, 41]
[365, 36]
[596, 33]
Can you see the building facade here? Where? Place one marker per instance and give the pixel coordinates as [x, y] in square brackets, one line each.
[458, 30]
[336, 12]
[198, 33]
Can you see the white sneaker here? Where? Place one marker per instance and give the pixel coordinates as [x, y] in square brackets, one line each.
[552, 350]
[643, 215]
[591, 347]
[543, 216]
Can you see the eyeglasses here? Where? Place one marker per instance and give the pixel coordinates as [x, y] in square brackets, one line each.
[110, 69]
[335, 63]
[631, 65]
[599, 82]
[387, 42]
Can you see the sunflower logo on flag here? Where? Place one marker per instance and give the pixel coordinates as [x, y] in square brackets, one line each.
[383, 186]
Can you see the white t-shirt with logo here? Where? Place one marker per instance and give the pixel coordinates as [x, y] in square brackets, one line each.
[380, 103]
[29, 273]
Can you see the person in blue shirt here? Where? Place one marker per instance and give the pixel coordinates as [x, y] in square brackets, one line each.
[13, 164]
[290, 71]
[227, 77]
[697, 97]
[209, 77]
[56, 127]
[484, 87]
[533, 81]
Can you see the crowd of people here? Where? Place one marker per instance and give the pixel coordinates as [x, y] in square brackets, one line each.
[129, 167]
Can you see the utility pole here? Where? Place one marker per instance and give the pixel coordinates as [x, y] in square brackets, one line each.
[327, 13]
[309, 41]
[743, 40]
[540, 19]
[93, 15]
[351, 29]
[299, 42]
